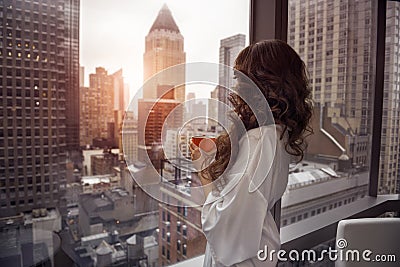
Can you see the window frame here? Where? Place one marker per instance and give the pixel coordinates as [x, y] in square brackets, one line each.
[269, 20]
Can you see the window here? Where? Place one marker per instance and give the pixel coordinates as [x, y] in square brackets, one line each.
[333, 94]
[334, 68]
[184, 250]
[169, 237]
[185, 211]
[388, 183]
[184, 230]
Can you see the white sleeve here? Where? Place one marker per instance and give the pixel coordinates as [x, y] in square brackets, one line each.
[233, 223]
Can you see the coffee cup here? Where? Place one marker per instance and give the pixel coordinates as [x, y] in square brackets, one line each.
[206, 143]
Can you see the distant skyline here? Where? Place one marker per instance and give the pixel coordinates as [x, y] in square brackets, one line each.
[113, 35]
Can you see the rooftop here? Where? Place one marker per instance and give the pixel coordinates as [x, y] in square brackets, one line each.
[164, 21]
[96, 179]
[38, 215]
[100, 202]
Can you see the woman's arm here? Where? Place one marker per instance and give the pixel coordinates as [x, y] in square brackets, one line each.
[207, 184]
[206, 181]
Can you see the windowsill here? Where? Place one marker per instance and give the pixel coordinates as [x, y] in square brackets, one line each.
[193, 262]
[315, 230]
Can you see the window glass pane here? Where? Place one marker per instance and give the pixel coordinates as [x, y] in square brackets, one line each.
[389, 171]
[337, 41]
[68, 70]
[143, 40]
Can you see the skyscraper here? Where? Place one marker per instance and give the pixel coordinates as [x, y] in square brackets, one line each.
[164, 48]
[163, 93]
[337, 41]
[81, 76]
[119, 103]
[390, 150]
[213, 109]
[228, 51]
[151, 120]
[38, 77]
[71, 46]
[119, 90]
[129, 137]
[97, 108]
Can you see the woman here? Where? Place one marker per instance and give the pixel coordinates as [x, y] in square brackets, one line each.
[236, 220]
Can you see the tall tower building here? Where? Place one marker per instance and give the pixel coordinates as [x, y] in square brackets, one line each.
[119, 90]
[390, 150]
[71, 46]
[81, 76]
[151, 120]
[213, 109]
[164, 48]
[119, 103]
[161, 95]
[129, 137]
[228, 51]
[338, 62]
[97, 108]
[127, 97]
[37, 59]
[337, 41]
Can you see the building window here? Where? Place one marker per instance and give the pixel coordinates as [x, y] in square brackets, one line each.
[184, 250]
[184, 230]
[185, 211]
[313, 213]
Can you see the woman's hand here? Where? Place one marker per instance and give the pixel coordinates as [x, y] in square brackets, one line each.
[204, 155]
[202, 159]
[195, 153]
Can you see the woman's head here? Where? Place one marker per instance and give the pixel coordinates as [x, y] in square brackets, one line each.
[281, 75]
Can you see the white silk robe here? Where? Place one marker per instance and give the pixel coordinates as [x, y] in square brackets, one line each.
[237, 221]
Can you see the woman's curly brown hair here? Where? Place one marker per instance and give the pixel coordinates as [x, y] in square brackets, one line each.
[281, 75]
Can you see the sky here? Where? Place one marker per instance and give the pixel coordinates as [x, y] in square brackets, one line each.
[112, 33]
